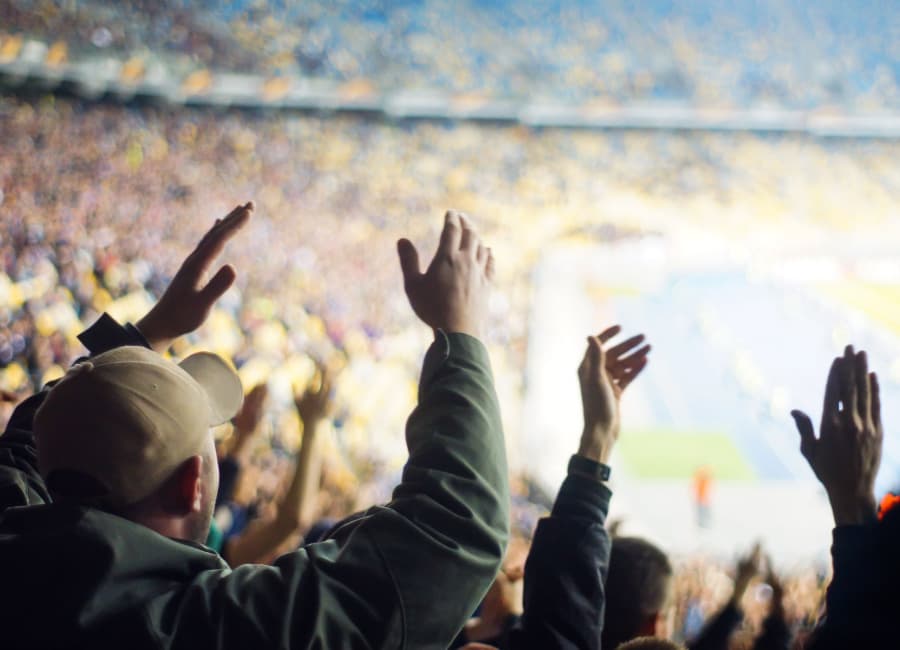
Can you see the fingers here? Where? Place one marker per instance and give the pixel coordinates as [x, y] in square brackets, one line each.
[632, 373]
[609, 333]
[594, 354]
[807, 434]
[618, 350]
[623, 369]
[863, 392]
[213, 243]
[592, 364]
[325, 383]
[409, 260]
[585, 364]
[469, 239]
[876, 402]
[260, 392]
[451, 235]
[848, 386]
[832, 391]
[624, 363]
[219, 284]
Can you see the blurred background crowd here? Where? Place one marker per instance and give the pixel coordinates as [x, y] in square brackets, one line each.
[100, 202]
[785, 53]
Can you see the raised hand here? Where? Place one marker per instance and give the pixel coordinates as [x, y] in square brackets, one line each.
[248, 418]
[846, 455]
[746, 569]
[314, 403]
[604, 375]
[452, 294]
[776, 605]
[189, 298]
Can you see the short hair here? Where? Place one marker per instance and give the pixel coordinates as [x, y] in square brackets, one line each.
[637, 586]
[649, 643]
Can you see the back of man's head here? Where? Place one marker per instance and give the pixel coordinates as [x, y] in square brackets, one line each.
[128, 424]
[638, 590]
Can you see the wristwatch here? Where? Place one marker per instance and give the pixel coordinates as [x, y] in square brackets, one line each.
[581, 465]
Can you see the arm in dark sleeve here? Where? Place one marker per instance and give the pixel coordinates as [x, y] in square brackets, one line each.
[775, 634]
[850, 617]
[717, 632]
[20, 482]
[566, 571]
[406, 575]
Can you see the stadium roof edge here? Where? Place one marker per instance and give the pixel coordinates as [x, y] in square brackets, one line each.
[115, 80]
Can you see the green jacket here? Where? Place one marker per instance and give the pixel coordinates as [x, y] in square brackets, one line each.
[404, 575]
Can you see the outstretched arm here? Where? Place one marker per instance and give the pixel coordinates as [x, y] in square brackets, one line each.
[262, 539]
[569, 557]
[408, 574]
[178, 312]
[845, 458]
[717, 632]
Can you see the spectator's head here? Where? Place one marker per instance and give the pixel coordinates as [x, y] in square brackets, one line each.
[638, 592]
[129, 432]
[650, 643]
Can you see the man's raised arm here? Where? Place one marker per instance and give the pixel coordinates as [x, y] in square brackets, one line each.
[454, 494]
[408, 574]
[569, 559]
[185, 306]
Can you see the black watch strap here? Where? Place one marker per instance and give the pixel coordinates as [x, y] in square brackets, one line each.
[581, 465]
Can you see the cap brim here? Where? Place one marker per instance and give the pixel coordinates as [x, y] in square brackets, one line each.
[221, 383]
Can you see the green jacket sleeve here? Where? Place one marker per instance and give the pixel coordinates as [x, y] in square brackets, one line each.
[405, 575]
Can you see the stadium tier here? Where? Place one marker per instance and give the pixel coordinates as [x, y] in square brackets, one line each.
[721, 176]
[771, 67]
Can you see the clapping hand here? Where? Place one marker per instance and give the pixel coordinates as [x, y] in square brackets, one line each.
[604, 375]
[846, 455]
[746, 569]
[247, 420]
[189, 298]
[314, 403]
[452, 294]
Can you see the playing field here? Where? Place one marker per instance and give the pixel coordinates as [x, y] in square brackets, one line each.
[670, 454]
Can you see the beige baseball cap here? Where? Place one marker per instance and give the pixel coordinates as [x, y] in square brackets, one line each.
[128, 417]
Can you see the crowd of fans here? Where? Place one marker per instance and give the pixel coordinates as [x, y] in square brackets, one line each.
[791, 54]
[99, 206]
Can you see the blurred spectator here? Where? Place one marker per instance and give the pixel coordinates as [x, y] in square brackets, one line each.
[774, 52]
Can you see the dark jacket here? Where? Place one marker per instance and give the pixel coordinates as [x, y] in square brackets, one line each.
[564, 574]
[566, 571]
[863, 599]
[405, 575]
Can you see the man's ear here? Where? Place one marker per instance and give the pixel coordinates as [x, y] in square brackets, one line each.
[183, 495]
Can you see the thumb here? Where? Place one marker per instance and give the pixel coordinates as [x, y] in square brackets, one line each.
[807, 433]
[219, 284]
[598, 357]
[409, 260]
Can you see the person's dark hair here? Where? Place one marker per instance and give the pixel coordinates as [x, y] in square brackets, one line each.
[636, 588]
[650, 643]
